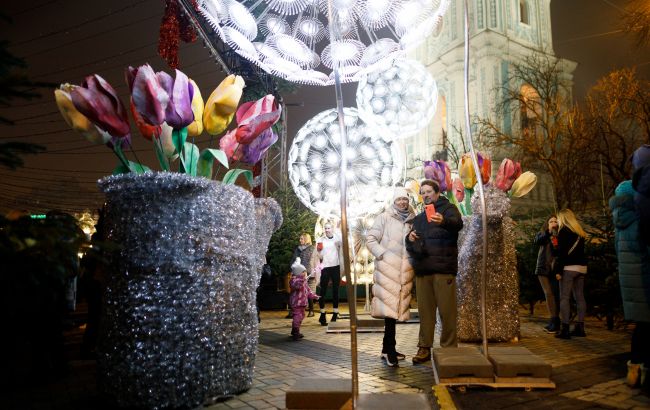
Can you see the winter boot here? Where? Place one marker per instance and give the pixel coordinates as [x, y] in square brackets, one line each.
[553, 325]
[564, 332]
[579, 330]
[384, 353]
[633, 374]
[322, 319]
[391, 359]
[423, 355]
[311, 308]
[335, 316]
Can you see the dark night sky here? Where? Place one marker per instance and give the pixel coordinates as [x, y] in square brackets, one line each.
[64, 40]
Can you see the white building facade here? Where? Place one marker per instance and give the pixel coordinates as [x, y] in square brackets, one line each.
[501, 32]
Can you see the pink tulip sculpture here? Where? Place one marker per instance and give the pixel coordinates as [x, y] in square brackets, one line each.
[508, 172]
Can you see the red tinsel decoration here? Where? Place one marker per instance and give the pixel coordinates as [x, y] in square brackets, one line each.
[175, 26]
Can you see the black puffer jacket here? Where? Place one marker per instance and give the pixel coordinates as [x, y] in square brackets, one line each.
[566, 239]
[436, 251]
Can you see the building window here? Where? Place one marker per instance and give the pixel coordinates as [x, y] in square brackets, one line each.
[523, 12]
[530, 109]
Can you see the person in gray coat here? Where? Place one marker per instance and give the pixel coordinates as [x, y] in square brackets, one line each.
[393, 277]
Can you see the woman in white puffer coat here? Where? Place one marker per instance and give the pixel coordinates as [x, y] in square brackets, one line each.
[393, 278]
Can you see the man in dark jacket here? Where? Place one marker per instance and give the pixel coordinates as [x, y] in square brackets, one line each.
[433, 251]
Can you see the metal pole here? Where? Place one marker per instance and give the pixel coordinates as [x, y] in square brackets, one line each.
[481, 195]
[334, 36]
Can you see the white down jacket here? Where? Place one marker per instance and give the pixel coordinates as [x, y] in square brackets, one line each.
[393, 278]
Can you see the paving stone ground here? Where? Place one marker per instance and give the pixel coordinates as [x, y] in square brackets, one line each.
[589, 372]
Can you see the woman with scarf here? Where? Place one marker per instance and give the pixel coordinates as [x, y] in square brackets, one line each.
[393, 277]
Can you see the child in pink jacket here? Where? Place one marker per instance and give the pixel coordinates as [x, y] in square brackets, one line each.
[300, 293]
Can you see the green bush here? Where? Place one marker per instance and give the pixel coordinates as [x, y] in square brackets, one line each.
[297, 219]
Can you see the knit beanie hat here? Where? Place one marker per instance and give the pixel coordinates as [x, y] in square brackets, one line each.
[400, 192]
[297, 268]
[641, 157]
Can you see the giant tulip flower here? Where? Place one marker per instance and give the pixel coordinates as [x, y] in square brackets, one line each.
[524, 184]
[76, 120]
[228, 144]
[485, 165]
[256, 116]
[253, 152]
[508, 172]
[196, 127]
[166, 142]
[438, 170]
[148, 131]
[221, 105]
[466, 169]
[413, 186]
[147, 94]
[98, 101]
[459, 189]
[178, 113]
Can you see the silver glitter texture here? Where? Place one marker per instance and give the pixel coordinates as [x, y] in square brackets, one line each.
[502, 279]
[180, 322]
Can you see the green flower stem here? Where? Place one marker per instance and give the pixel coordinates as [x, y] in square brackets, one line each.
[160, 154]
[136, 157]
[117, 149]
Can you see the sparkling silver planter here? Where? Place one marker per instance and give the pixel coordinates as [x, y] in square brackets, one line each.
[180, 321]
[502, 280]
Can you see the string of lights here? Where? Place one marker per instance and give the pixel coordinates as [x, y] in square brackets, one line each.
[49, 178]
[41, 188]
[101, 33]
[30, 9]
[77, 25]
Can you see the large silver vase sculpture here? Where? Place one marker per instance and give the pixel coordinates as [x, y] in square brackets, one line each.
[180, 322]
[502, 280]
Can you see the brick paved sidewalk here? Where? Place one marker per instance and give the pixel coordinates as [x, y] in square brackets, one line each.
[589, 372]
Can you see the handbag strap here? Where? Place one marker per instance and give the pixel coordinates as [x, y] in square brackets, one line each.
[574, 246]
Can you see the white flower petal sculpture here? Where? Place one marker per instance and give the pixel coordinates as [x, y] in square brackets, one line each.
[397, 95]
[314, 165]
[371, 30]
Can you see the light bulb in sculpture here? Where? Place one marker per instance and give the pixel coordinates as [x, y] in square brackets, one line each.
[370, 30]
[314, 165]
[399, 96]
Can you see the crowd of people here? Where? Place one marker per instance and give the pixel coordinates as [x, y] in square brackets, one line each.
[422, 250]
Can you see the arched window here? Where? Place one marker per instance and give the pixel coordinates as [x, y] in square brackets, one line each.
[439, 129]
[523, 12]
[530, 108]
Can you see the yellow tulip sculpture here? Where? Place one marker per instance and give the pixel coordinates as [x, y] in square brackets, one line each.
[523, 185]
[196, 127]
[221, 105]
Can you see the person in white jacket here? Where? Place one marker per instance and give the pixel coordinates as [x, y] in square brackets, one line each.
[331, 257]
[393, 277]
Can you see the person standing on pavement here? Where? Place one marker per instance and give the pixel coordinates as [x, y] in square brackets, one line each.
[432, 246]
[393, 277]
[572, 265]
[546, 239]
[331, 256]
[300, 294]
[634, 266]
[307, 254]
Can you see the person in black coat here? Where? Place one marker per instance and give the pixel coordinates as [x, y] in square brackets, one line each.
[433, 252]
[546, 239]
[572, 268]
